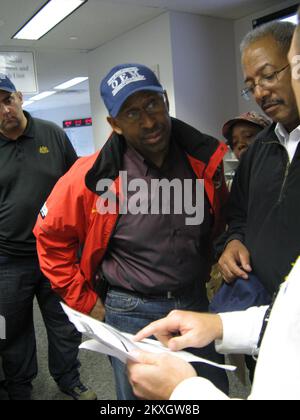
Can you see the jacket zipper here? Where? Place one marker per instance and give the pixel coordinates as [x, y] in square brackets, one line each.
[287, 170]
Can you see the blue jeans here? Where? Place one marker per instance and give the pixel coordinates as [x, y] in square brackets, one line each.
[20, 281]
[131, 313]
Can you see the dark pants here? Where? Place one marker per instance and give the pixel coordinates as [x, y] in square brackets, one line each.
[130, 313]
[20, 281]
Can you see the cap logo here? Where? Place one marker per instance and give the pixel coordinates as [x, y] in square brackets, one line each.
[123, 78]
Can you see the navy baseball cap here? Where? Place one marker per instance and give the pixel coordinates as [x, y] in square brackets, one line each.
[6, 84]
[123, 81]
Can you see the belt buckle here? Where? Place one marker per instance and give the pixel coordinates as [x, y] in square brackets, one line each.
[170, 295]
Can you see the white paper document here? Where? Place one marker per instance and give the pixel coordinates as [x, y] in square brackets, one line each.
[108, 340]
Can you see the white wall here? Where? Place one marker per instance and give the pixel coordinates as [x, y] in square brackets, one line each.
[149, 44]
[199, 63]
[81, 137]
[204, 71]
[196, 59]
[58, 115]
[242, 27]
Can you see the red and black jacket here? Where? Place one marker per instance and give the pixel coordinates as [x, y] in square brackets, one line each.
[70, 221]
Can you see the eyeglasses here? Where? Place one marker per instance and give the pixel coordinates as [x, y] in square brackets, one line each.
[266, 81]
[154, 106]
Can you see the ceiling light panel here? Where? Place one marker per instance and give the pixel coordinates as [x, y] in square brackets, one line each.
[71, 83]
[53, 12]
[27, 103]
[42, 95]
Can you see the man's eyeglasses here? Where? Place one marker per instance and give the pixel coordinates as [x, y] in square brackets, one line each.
[266, 81]
[154, 106]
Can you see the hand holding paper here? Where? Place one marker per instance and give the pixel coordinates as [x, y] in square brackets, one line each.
[108, 340]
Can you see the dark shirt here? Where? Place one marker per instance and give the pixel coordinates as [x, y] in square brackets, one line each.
[29, 168]
[152, 253]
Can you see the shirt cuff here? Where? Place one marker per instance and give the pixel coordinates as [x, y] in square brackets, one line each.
[241, 331]
[197, 388]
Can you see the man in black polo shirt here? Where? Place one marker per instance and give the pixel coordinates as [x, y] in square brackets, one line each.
[34, 154]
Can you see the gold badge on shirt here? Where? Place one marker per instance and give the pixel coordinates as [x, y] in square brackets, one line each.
[43, 150]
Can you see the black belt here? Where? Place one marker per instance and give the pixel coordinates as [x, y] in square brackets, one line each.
[160, 295]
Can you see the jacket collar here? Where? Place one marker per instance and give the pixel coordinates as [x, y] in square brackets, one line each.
[268, 135]
[109, 161]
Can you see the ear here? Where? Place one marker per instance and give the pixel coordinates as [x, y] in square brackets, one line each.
[20, 96]
[167, 101]
[114, 125]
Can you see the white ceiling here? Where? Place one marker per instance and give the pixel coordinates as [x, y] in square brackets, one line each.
[95, 23]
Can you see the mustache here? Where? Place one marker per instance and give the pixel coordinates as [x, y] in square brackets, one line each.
[148, 133]
[266, 103]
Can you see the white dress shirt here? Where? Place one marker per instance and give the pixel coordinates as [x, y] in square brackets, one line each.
[277, 374]
[288, 140]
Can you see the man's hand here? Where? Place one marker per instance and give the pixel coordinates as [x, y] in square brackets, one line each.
[155, 376]
[182, 329]
[98, 311]
[235, 262]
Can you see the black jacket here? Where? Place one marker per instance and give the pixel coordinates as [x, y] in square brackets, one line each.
[264, 208]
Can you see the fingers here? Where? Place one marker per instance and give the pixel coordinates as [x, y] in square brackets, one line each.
[235, 262]
[182, 342]
[231, 270]
[98, 311]
[143, 357]
[155, 376]
[162, 329]
[226, 273]
[245, 261]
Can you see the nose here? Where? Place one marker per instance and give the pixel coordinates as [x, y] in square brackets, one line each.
[147, 120]
[260, 92]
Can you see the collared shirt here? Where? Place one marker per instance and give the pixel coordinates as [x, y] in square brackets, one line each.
[30, 167]
[288, 140]
[153, 253]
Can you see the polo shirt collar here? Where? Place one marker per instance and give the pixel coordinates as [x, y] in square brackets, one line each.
[29, 130]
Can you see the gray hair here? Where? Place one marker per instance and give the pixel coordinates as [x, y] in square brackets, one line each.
[282, 32]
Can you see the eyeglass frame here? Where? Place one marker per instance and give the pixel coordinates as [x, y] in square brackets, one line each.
[262, 82]
[162, 96]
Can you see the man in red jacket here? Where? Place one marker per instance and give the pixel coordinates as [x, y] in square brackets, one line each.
[150, 246]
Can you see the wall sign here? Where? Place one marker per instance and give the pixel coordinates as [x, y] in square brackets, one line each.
[20, 67]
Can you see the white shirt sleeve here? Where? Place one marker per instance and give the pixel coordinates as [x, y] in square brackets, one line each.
[199, 389]
[241, 331]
